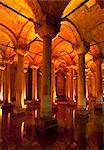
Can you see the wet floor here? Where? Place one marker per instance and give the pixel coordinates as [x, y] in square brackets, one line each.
[18, 133]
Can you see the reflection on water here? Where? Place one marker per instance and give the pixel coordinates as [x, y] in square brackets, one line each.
[19, 132]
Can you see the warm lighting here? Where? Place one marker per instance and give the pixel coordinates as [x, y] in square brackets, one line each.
[22, 100]
[0, 112]
[22, 130]
[24, 106]
[36, 113]
[1, 96]
[24, 95]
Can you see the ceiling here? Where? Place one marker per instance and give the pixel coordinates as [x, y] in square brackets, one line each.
[19, 19]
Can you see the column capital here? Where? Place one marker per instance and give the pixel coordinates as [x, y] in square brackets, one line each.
[47, 29]
[2, 67]
[83, 48]
[22, 52]
[98, 60]
[34, 66]
[25, 70]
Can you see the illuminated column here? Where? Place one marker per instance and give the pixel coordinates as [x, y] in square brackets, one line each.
[46, 102]
[2, 67]
[53, 83]
[81, 102]
[25, 71]
[71, 84]
[75, 85]
[20, 82]
[68, 85]
[7, 89]
[94, 85]
[81, 83]
[99, 90]
[34, 82]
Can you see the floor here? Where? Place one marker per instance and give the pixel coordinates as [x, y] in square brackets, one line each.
[18, 133]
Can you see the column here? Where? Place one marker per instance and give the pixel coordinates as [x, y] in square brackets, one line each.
[34, 82]
[99, 94]
[20, 83]
[71, 84]
[2, 67]
[68, 85]
[46, 102]
[75, 86]
[7, 90]
[94, 85]
[81, 83]
[81, 111]
[53, 83]
[25, 76]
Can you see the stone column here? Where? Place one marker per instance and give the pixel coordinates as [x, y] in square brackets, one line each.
[94, 85]
[75, 86]
[20, 83]
[2, 67]
[7, 90]
[71, 84]
[53, 83]
[68, 85]
[25, 74]
[34, 82]
[99, 94]
[81, 103]
[46, 102]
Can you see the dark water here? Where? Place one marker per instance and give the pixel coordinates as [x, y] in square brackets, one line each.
[18, 133]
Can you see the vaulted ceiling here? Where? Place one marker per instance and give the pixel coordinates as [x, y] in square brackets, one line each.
[19, 18]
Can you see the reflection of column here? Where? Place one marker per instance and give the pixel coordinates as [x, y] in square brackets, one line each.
[80, 134]
[7, 89]
[20, 82]
[99, 95]
[53, 83]
[46, 102]
[34, 82]
[25, 76]
[2, 67]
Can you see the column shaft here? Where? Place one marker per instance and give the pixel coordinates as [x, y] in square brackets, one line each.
[81, 83]
[71, 84]
[46, 102]
[34, 84]
[1, 85]
[20, 82]
[53, 83]
[7, 84]
[99, 93]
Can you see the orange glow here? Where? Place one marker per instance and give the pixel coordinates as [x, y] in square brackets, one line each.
[22, 100]
[22, 130]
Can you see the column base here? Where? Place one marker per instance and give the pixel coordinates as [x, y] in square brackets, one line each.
[71, 104]
[7, 106]
[18, 112]
[99, 108]
[46, 125]
[82, 114]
